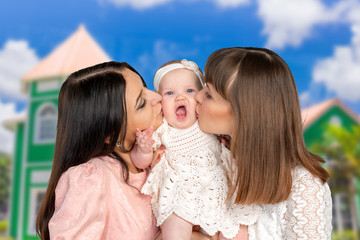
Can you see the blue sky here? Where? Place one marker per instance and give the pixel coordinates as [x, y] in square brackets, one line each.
[320, 40]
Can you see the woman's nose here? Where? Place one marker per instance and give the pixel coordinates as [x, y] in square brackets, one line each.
[155, 98]
[198, 95]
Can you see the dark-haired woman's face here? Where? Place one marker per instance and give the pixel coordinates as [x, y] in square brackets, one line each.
[143, 106]
[214, 112]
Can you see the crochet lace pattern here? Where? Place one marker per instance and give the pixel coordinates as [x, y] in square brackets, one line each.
[306, 214]
[191, 181]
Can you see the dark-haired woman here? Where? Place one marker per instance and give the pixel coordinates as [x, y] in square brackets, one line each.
[94, 188]
[251, 96]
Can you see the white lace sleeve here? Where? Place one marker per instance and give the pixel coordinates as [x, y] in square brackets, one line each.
[308, 209]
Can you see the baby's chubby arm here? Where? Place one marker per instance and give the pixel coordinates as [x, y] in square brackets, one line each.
[142, 153]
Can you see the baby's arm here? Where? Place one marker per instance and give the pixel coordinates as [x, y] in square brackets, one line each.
[142, 153]
[242, 234]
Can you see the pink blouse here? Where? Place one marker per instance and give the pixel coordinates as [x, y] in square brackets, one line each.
[94, 202]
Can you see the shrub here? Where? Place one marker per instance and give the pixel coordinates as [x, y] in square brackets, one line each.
[3, 226]
[344, 235]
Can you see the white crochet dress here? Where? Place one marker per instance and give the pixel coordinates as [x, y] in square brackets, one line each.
[191, 181]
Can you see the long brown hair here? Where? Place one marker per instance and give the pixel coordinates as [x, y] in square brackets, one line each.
[268, 139]
[91, 110]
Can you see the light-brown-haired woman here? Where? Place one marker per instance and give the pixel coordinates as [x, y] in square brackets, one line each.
[251, 96]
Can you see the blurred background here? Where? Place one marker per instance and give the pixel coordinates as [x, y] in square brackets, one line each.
[42, 42]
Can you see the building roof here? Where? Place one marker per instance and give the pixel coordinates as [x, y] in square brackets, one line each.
[11, 123]
[80, 50]
[311, 114]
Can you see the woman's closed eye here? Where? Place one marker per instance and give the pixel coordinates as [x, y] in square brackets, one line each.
[207, 95]
[142, 105]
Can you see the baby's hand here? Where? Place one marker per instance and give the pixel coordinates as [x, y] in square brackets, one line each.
[144, 139]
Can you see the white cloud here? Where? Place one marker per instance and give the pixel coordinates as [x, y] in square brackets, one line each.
[354, 12]
[231, 3]
[162, 52]
[138, 4]
[290, 22]
[315, 93]
[305, 99]
[16, 59]
[7, 111]
[341, 72]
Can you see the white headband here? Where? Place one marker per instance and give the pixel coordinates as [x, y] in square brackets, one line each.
[183, 64]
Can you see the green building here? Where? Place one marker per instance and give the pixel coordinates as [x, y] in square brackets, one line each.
[35, 133]
[317, 119]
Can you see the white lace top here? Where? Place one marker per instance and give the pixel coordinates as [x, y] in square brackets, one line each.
[191, 181]
[306, 214]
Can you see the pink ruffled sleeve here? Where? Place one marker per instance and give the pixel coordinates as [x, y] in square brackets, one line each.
[81, 206]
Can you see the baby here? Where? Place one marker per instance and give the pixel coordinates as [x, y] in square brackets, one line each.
[189, 184]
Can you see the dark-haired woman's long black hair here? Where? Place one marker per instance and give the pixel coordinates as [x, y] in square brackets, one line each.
[91, 110]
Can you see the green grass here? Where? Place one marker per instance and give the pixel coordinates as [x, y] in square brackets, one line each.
[344, 235]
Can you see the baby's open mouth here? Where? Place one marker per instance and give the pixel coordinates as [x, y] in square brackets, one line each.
[181, 111]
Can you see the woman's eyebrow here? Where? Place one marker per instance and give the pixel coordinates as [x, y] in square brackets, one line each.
[138, 98]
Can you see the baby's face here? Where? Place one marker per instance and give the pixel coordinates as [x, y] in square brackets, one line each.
[178, 88]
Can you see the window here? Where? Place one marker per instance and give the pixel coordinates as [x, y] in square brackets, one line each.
[335, 120]
[343, 218]
[37, 190]
[36, 197]
[45, 119]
